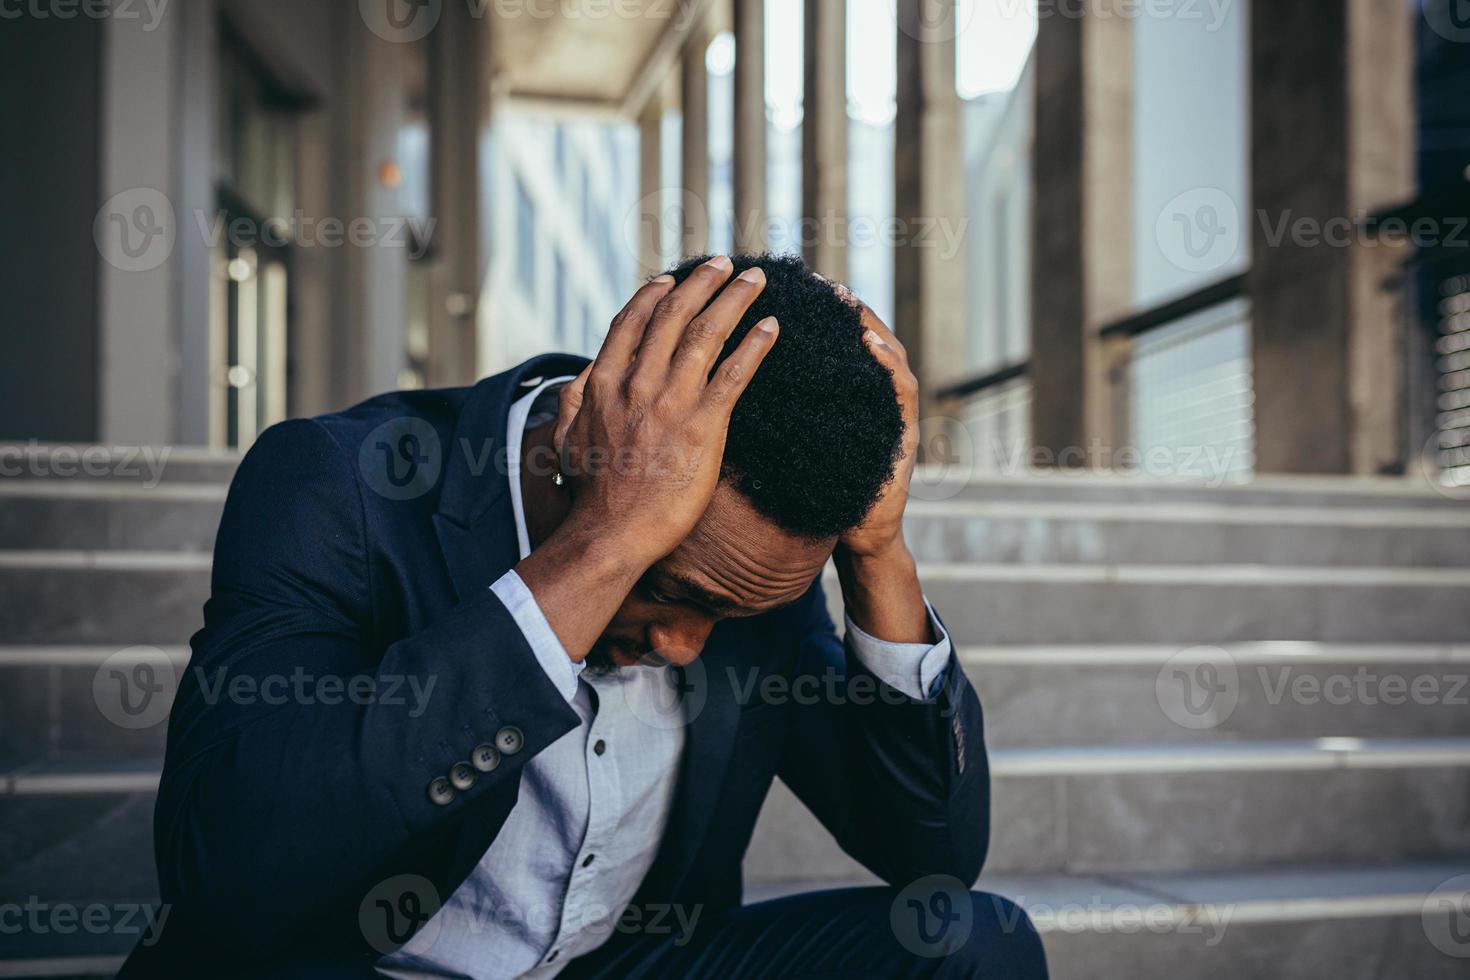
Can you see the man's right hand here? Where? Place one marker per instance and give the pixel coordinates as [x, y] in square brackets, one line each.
[643, 447]
[641, 434]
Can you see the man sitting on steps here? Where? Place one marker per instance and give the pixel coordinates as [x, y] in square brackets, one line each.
[606, 579]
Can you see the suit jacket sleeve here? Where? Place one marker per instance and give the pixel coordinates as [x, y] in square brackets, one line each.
[301, 749]
[902, 784]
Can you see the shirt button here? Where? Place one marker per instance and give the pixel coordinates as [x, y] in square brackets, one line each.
[440, 792]
[485, 757]
[509, 740]
[599, 746]
[462, 776]
[588, 860]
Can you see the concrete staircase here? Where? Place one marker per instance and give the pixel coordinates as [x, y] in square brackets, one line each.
[1230, 727]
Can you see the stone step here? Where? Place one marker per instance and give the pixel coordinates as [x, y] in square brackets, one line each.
[1191, 604]
[87, 597]
[108, 515]
[961, 483]
[84, 842]
[86, 702]
[146, 466]
[1063, 810]
[1043, 533]
[1192, 807]
[1036, 696]
[89, 701]
[90, 597]
[101, 515]
[79, 862]
[1348, 922]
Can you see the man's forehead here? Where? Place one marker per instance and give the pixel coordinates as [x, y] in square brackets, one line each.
[736, 553]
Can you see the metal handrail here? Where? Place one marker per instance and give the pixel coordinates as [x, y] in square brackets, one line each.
[993, 379]
[1145, 321]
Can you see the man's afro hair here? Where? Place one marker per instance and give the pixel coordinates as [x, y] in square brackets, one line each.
[814, 438]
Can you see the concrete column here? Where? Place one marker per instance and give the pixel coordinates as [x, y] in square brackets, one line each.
[694, 96]
[1332, 109]
[1081, 222]
[199, 403]
[929, 188]
[459, 96]
[650, 187]
[750, 126]
[376, 274]
[138, 350]
[824, 139]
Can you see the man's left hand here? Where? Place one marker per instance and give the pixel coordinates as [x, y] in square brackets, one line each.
[880, 581]
[882, 530]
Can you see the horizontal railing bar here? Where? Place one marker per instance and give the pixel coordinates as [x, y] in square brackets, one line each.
[1149, 320]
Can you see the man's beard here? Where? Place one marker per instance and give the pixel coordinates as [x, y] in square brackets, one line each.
[598, 662]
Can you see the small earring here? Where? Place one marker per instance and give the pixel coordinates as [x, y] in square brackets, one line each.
[558, 479]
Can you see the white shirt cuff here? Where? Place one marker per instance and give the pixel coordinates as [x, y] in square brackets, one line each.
[553, 657]
[913, 669]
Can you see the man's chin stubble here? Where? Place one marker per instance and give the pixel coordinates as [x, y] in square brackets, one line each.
[598, 662]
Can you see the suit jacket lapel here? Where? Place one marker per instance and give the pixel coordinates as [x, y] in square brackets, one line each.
[474, 522]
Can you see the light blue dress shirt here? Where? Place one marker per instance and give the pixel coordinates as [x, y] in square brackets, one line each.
[593, 806]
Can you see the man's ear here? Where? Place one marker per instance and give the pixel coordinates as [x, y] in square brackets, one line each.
[570, 403]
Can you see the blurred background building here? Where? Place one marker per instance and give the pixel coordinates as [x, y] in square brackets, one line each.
[290, 207]
[1187, 284]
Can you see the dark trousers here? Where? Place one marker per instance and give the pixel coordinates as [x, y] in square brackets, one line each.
[935, 931]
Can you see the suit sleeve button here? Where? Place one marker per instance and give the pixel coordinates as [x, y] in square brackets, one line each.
[509, 740]
[440, 792]
[485, 757]
[462, 776]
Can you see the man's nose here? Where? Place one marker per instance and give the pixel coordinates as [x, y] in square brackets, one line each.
[681, 642]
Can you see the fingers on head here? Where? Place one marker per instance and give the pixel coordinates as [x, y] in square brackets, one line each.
[735, 374]
[626, 331]
[705, 337]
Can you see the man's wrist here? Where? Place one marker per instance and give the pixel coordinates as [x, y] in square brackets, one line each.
[881, 593]
[878, 564]
[579, 576]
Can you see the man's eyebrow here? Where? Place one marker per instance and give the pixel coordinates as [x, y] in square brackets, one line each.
[697, 592]
[717, 603]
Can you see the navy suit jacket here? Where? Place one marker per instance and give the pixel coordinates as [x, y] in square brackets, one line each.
[276, 816]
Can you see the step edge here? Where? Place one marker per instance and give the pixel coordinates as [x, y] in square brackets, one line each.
[61, 966]
[1295, 755]
[1303, 516]
[1308, 653]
